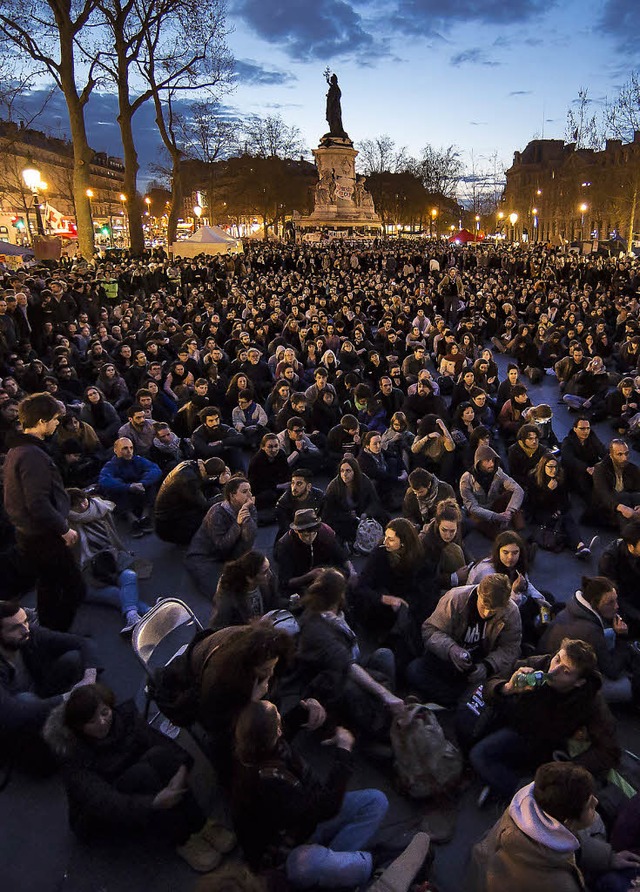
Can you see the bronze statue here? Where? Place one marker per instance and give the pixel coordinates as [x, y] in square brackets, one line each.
[334, 109]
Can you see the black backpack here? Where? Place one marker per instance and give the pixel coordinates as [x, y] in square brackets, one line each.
[176, 688]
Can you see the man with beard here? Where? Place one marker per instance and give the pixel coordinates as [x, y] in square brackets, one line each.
[424, 493]
[301, 494]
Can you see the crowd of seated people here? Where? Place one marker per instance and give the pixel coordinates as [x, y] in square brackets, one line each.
[346, 396]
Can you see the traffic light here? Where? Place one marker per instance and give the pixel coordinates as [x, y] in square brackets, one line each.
[18, 223]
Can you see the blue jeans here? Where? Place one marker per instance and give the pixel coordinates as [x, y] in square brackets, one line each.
[124, 596]
[502, 760]
[334, 855]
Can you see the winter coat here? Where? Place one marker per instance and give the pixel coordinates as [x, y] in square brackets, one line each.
[221, 537]
[448, 623]
[34, 494]
[580, 621]
[295, 558]
[623, 569]
[605, 496]
[119, 473]
[527, 850]
[180, 505]
[477, 500]
[438, 491]
[211, 442]
[576, 457]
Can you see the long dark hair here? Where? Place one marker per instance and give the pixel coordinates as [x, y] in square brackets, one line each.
[539, 474]
[357, 472]
[82, 704]
[236, 574]
[508, 537]
[411, 553]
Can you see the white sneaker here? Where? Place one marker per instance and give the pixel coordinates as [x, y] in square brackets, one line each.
[131, 621]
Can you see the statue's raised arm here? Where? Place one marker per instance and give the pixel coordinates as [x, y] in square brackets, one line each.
[334, 108]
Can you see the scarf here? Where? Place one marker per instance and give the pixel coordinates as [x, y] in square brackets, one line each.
[172, 448]
[96, 530]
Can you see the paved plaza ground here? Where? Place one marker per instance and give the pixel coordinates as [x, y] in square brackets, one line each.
[38, 853]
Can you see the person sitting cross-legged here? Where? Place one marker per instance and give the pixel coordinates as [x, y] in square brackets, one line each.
[131, 482]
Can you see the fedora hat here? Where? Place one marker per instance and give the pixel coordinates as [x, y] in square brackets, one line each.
[304, 520]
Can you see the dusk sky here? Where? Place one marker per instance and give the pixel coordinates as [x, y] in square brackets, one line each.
[486, 77]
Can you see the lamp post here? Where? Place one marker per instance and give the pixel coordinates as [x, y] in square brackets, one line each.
[477, 227]
[31, 177]
[500, 216]
[125, 228]
[583, 208]
[89, 193]
[434, 222]
[513, 219]
[197, 211]
[534, 211]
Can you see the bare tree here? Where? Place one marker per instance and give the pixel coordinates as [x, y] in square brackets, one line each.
[270, 137]
[48, 31]
[206, 134]
[440, 170]
[583, 127]
[622, 116]
[381, 155]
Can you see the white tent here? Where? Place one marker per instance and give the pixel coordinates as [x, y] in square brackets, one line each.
[207, 240]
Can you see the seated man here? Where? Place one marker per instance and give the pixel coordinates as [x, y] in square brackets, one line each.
[228, 530]
[38, 669]
[581, 450]
[490, 497]
[300, 494]
[423, 494]
[268, 475]
[474, 632]
[168, 449]
[525, 454]
[620, 562]
[343, 438]
[309, 544]
[616, 487]
[212, 439]
[185, 497]
[131, 482]
[249, 419]
[139, 429]
[298, 448]
[538, 720]
[591, 615]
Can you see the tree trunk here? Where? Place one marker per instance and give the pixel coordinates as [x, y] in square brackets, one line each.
[177, 194]
[632, 217]
[131, 167]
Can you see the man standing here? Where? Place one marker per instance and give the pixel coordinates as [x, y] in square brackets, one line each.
[38, 507]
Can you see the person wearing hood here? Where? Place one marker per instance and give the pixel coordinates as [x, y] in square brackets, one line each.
[490, 497]
[592, 615]
[538, 721]
[105, 564]
[547, 836]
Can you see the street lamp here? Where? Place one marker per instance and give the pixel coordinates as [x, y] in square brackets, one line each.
[583, 208]
[90, 193]
[31, 177]
[434, 217]
[534, 211]
[513, 219]
[197, 210]
[125, 221]
[477, 227]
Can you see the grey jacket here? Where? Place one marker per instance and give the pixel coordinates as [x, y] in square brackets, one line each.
[476, 500]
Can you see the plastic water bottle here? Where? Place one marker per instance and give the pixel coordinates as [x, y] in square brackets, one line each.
[530, 679]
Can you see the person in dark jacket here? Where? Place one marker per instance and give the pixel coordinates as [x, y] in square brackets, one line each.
[385, 471]
[184, 499]
[213, 439]
[581, 450]
[38, 668]
[277, 800]
[549, 504]
[299, 495]
[246, 591]
[423, 495]
[525, 454]
[348, 497]
[269, 476]
[38, 507]
[616, 487]
[131, 482]
[591, 615]
[123, 777]
[537, 721]
[620, 562]
[443, 547]
[308, 545]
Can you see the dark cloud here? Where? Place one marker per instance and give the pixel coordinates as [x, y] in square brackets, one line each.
[620, 21]
[473, 56]
[309, 31]
[247, 71]
[424, 16]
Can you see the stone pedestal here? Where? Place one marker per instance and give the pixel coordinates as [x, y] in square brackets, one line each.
[341, 199]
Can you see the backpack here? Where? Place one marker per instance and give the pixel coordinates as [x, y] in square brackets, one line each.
[425, 762]
[176, 688]
[368, 536]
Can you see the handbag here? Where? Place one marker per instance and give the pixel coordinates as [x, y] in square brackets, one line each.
[368, 536]
[550, 536]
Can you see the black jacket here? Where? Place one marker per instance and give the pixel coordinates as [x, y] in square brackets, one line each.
[180, 505]
[576, 457]
[34, 494]
[605, 496]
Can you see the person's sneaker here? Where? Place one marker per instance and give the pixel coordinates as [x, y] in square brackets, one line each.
[583, 552]
[131, 620]
[595, 541]
[199, 855]
[218, 836]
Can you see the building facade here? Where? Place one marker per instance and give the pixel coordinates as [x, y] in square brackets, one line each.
[556, 192]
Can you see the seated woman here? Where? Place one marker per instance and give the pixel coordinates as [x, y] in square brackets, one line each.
[124, 779]
[385, 472]
[509, 557]
[550, 508]
[330, 667]
[348, 497]
[442, 545]
[397, 439]
[246, 591]
[623, 404]
[106, 565]
[286, 816]
[98, 412]
[395, 590]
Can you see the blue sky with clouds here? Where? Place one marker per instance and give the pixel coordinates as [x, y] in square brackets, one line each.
[484, 76]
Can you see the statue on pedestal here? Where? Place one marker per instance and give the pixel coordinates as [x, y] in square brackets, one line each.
[334, 107]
